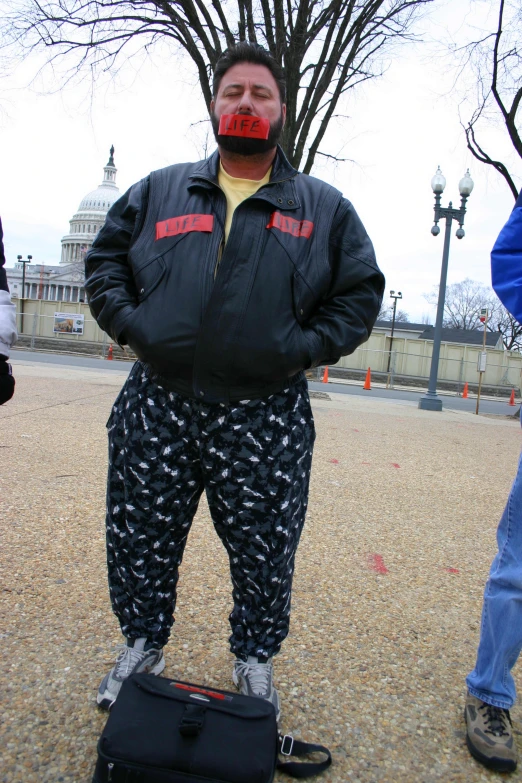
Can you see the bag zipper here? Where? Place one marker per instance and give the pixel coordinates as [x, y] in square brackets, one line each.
[110, 767]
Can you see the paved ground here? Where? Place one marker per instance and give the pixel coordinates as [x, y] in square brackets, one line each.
[403, 510]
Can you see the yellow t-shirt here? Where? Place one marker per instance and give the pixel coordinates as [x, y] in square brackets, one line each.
[237, 190]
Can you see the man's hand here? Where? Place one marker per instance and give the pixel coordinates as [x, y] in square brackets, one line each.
[7, 382]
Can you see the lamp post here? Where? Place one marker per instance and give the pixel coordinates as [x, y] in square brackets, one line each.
[22, 300]
[430, 401]
[483, 355]
[393, 296]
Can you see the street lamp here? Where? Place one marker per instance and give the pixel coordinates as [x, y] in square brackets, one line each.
[393, 296]
[21, 261]
[430, 401]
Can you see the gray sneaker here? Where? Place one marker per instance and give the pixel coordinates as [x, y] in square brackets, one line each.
[489, 735]
[135, 656]
[255, 679]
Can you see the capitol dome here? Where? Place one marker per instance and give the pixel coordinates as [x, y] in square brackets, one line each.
[90, 216]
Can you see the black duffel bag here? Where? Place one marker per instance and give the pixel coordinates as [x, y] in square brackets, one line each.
[167, 731]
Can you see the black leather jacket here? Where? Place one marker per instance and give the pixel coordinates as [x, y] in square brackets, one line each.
[296, 284]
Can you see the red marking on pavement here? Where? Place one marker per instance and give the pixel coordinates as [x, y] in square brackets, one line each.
[353, 428]
[376, 563]
[395, 465]
[335, 461]
[452, 570]
[366, 463]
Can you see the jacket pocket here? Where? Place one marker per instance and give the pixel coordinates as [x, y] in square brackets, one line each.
[303, 298]
[149, 276]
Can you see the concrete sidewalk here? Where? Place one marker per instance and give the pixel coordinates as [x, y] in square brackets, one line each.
[386, 607]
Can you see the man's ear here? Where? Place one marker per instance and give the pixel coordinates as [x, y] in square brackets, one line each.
[283, 113]
[212, 105]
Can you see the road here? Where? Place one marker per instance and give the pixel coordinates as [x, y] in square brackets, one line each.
[489, 406]
[70, 361]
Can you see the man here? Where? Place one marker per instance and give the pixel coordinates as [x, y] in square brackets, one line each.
[491, 688]
[228, 278]
[7, 330]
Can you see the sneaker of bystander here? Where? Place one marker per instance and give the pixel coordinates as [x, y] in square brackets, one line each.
[255, 678]
[490, 735]
[137, 655]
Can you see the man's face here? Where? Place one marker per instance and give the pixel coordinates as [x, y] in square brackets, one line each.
[248, 88]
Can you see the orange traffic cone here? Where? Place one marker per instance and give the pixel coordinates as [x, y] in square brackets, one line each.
[367, 383]
[109, 354]
[465, 391]
[325, 376]
[512, 398]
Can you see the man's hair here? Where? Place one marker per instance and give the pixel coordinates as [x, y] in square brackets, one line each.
[245, 52]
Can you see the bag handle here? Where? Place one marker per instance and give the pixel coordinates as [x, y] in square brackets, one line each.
[192, 720]
[288, 746]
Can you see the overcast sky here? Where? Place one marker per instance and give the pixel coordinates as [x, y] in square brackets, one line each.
[53, 148]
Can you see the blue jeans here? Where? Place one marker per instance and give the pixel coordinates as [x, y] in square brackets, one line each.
[501, 630]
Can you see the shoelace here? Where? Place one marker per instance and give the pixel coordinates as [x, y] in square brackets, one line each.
[496, 718]
[127, 660]
[257, 674]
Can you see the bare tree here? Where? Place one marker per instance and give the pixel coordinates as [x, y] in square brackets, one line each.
[462, 307]
[501, 320]
[76, 270]
[496, 61]
[326, 47]
[386, 314]
[463, 303]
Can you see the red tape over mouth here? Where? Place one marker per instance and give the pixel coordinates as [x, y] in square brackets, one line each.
[183, 224]
[288, 225]
[244, 125]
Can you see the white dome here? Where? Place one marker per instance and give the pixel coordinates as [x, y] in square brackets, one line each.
[101, 199]
[90, 217]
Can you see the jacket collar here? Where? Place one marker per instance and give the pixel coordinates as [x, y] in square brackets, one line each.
[208, 169]
[280, 190]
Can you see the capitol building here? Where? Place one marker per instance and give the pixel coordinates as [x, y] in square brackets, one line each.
[64, 282]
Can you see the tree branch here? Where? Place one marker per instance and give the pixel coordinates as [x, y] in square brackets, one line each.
[326, 47]
[483, 157]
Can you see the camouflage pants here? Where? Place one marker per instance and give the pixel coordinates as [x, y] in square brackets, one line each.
[252, 458]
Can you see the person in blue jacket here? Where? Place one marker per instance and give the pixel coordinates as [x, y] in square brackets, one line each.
[491, 688]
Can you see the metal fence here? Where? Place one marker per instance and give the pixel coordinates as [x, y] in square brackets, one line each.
[410, 358]
[458, 363]
[458, 371]
[42, 331]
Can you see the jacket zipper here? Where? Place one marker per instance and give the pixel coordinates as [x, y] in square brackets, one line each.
[110, 767]
[221, 250]
[221, 247]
